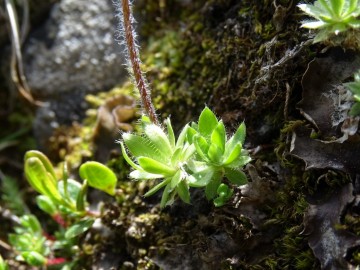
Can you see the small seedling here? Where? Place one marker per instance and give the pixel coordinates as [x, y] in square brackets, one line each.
[29, 241]
[65, 196]
[64, 200]
[332, 17]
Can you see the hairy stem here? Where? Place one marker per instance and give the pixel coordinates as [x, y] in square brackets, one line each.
[140, 80]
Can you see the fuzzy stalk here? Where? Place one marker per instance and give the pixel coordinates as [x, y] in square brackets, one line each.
[134, 58]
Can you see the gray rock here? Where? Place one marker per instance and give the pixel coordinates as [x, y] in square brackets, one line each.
[72, 54]
[75, 49]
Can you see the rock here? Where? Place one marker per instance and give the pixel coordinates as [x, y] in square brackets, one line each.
[75, 49]
[72, 54]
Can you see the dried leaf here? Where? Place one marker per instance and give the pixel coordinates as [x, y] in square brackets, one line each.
[320, 155]
[329, 244]
[325, 101]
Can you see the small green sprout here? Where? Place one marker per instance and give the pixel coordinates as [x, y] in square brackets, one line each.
[200, 157]
[332, 17]
[66, 196]
[354, 87]
[64, 200]
[224, 194]
[29, 241]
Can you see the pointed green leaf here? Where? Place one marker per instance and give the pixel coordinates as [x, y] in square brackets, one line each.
[176, 157]
[153, 190]
[170, 132]
[175, 180]
[153, 166]
[128, 159]
[218, 136]
[167, 197]
[325, 7]
[188, 151]
[231, 156]
[201, 146]
[98, 176]
[79, 228]
[354, 23]
[159, 139]
[201, 178]
[236, 177]
[240, 161]
[311, 10]
[313, 24]
[183, 190]
[337, 7]
[214, 153]
[191, 133]
[182, 137]
[321, 35]
[207, 122]
[140, 146]
[238, 137]
[81, 197]
[353, 6]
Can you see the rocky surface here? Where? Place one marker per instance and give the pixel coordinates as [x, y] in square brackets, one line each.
[73, 53]
[74, 50]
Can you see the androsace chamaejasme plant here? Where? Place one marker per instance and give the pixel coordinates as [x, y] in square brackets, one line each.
[332, 17]
[200, 157]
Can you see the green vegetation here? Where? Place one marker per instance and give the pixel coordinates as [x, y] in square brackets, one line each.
[64, 200]
[332, 17]
[66, 196]
[3, 265]
[29, 241]
[200, 157]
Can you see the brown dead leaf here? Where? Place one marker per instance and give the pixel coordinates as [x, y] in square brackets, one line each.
[320, 155]
[325, 101]
[330, 244]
